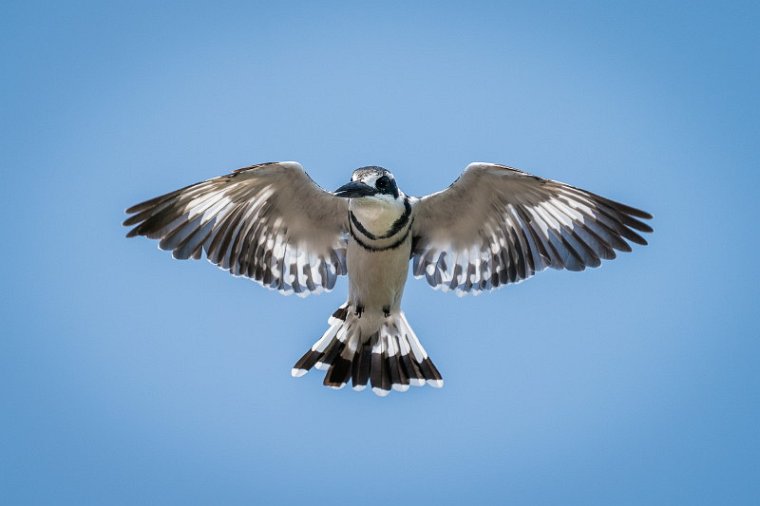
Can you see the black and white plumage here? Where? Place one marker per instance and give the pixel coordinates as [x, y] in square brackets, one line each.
[497, 225]
[493, 226]
[268, 222]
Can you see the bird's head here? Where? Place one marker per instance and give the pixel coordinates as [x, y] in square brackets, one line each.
[373, 183]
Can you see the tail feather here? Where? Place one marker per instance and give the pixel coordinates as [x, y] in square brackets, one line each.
[338, 374]
[390, 358]
[311, 357]
[332, 351]
[429, 370]
[410, 366]
[398, 379]
[377, 365]
[432, 376]
[362, 365]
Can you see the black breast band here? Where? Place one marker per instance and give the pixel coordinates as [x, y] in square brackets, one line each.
[380, 248]
[395, 228]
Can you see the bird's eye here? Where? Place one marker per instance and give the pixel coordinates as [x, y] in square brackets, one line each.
[382, 182]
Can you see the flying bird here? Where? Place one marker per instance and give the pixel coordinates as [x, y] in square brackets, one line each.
[494, 226]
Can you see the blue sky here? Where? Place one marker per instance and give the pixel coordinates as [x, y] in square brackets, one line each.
[128, 378]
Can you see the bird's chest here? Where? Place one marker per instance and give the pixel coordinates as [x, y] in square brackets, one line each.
[378, 253]
[377, 276]
[376, 219]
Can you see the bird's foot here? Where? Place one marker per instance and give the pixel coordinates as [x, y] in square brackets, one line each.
[359, 310]
[387, 311]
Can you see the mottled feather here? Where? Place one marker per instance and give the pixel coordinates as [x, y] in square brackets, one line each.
[268, 222]
[497, 225]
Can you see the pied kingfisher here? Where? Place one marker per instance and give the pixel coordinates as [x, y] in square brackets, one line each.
[493, 226]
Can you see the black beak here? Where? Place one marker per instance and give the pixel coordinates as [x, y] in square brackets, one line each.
[354, 189]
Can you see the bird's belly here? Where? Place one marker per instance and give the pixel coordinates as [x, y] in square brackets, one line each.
[377, 278]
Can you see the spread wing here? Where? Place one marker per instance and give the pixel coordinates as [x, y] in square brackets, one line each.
[497, 225]
[268, 222]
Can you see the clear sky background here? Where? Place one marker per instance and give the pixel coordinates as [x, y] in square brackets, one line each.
[127, 377]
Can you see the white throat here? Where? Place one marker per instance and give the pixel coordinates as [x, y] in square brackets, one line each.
[378, 214]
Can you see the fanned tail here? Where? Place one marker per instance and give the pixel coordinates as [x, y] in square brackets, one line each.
[389, 358]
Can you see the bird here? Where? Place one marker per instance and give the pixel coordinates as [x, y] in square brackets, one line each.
[493, 226]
